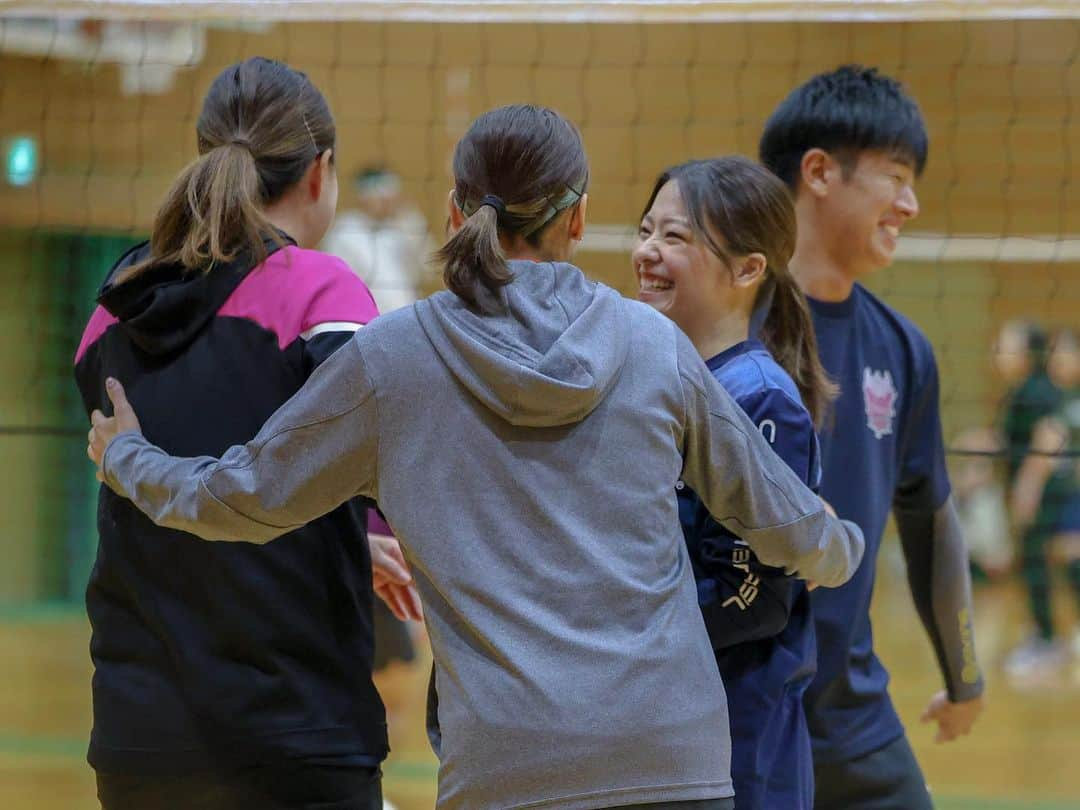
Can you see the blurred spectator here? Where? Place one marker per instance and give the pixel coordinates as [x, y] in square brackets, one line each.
[1045, 502]
[980, 502]
[1020, 358]
[384, 238]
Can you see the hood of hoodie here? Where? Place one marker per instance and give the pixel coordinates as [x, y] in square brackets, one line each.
[165, 307]
[547, 351]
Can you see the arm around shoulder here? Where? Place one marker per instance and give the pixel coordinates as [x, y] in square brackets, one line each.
[315, 452]
[752, 491]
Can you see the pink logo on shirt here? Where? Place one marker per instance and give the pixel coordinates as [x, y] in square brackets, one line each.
[879, 395]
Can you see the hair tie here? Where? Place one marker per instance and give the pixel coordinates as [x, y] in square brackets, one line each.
[495, 202]
[241, 141]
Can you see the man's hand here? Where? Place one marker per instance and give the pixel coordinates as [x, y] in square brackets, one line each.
[953, 719]
[392, 579]
[106, 428]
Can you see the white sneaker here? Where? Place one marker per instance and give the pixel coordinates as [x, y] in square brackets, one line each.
[1035, 657]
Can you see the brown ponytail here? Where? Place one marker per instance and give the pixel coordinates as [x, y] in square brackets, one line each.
[515, 170]
[788, 334]
[261, 126]
[474, 259]
[752, 211]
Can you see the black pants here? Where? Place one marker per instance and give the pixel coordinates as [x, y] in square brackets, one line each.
[887, 779]
[1035, 567]
[282, 786]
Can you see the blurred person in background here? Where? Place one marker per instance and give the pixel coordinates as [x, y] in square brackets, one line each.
[1020, 357]
[384, 238]
[1046, 508]
[1020, 360]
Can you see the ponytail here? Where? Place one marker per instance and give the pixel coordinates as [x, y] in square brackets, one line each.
[261, 126]
[473, 260]
[515, 169]
[788, 334]
[211, 213]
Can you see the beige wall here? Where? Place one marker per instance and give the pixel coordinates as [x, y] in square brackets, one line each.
[996, 96]
[1000, 99]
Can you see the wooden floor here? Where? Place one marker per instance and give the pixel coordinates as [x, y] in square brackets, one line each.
[1025, 754]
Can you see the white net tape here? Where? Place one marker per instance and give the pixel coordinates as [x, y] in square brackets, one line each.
[555, 10]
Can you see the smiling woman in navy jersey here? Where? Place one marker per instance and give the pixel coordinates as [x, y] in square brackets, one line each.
[229, 676]
[850, 144]
[713, 246]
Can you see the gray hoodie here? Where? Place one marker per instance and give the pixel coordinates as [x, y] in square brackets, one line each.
[527, 462]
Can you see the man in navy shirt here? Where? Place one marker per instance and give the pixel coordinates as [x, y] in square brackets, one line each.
[850, 144]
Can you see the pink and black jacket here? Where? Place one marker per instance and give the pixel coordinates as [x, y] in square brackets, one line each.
[208, 654]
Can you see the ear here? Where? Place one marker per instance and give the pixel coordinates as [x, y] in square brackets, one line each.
[319, 174]
[456, 216]
[577, 219]
[816, 170]
[749, 270]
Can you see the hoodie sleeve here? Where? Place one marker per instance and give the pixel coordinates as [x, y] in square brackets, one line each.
[316, 452]
[751, 491]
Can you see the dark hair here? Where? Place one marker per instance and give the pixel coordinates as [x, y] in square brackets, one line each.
[261, 126]
[1037, 342]
[514, 170]
[845, 112]
[751, 211]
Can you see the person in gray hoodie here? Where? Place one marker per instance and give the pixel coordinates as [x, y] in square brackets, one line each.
[523, 432]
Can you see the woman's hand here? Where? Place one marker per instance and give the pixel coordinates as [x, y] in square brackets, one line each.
[392, 579]
[106, 428]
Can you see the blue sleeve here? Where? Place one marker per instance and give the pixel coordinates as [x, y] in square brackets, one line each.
[923, 482]
[742, 599]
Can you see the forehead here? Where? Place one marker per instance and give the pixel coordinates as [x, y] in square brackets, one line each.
[884, 159]
[668, 202]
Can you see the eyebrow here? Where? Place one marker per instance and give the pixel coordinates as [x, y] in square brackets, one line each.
[669, 220]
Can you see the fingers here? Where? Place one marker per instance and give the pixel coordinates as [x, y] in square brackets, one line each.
[403, 601]
[387, 595]
[400, 608]
[391, 570]
[122, 410]
[117, 395]
[387, 559]
[416, 609]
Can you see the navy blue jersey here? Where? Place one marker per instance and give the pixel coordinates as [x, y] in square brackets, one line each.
[759, 618]
[881, 449]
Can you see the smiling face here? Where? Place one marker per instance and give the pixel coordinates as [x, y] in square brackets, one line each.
[865, 209]
[677, 273]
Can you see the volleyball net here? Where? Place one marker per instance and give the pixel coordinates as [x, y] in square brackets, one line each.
[98, 102]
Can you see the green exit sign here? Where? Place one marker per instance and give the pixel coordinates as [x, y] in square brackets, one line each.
[20, 160]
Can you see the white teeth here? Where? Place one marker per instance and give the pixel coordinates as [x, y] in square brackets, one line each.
[892, 231]
[655, 284]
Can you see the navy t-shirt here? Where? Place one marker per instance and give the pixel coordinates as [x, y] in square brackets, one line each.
[758, 618]
[881, 448]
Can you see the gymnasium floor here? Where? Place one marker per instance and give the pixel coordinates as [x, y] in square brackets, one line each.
[1026, 753]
